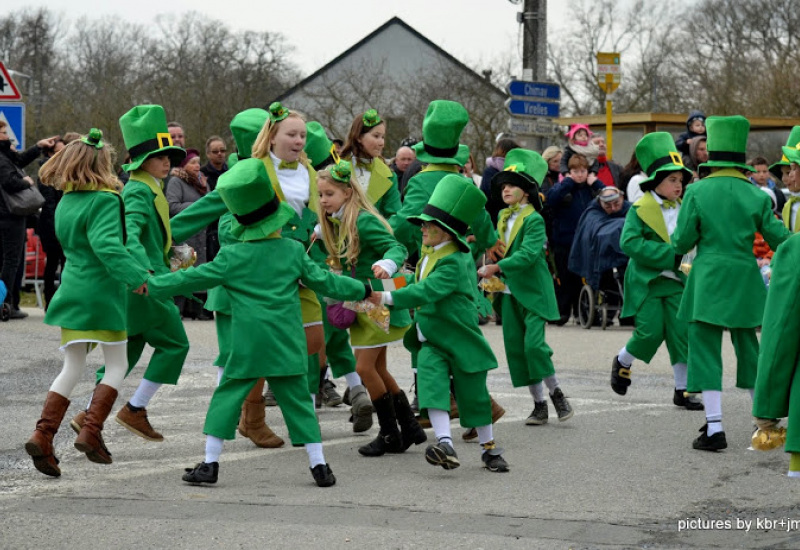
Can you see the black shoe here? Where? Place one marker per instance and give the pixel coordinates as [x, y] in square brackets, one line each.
[691, 402]
[202, 473]
[563, 408]
[716, 442]
[493, 460]
[17, 313]
[620, 377]
[323, 475]
[442, 454]
[539, 415]
[483, 320]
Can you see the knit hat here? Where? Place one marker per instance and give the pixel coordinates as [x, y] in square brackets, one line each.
[190, 154]
[658, 157]
[248, 193]
[245, 127]
[454, 204]
[573, 129]
[727, 142]
[524, 169]
[441, 129]
[144, 130]
[319, 148]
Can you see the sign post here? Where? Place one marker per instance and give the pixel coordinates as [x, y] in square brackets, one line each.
[531, 106]
[608, 78]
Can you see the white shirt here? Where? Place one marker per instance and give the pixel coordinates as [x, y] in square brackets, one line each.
[671, 221]
[634, 190]
[362, 174]
[295, 184]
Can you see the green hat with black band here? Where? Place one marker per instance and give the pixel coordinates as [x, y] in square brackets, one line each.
[727, 142]
[454, 204]
[144, 130]
[658, 157]
[248, 193]
[441, 129]
[319, 148]
[792, 142]
[524, 169]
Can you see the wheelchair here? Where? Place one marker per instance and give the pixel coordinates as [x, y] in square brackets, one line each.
[599, 306]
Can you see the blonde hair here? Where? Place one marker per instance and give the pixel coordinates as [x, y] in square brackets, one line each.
[551, 152]
[347, 244]
[83, 167]
[263, 143]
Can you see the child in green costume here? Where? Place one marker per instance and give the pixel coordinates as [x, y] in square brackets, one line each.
[260, 274]
[446, 336]
[653, 281]
[529, 300]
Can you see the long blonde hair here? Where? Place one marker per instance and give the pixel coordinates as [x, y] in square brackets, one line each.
[84, 167]
[347, 244]
[263, 143]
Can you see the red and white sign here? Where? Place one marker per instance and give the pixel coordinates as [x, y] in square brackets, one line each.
[8, 89]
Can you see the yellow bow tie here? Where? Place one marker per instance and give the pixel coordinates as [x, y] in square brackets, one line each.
[425, 250]
[287, 165]
[669, 204]
[515, 207]
[335, 221]
[793, 199]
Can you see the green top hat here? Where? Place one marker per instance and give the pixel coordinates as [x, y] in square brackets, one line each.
[144, 129]
[318, 147]
[454, 204]
[245, 127]
[727, 142]
[658, 157]
[441, 130]
[525, 169]
[793, 142]
[247, 192]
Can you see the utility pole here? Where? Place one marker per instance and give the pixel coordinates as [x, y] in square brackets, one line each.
[534, 40]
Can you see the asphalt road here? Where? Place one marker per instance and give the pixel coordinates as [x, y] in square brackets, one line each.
[620, 474]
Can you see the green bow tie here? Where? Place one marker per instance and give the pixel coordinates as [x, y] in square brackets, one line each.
[515, 207]
[669, 204]
[425, 250]
[335, 221]
[287, 165]
[793, 199]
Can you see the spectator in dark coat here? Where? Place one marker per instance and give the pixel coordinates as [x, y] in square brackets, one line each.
[46, 228]
[216, 153]
[567, 201]
[695, 127]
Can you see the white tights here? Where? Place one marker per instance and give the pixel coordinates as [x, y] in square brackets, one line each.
[75, 362]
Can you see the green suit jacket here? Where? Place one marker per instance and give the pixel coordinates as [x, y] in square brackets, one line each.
[99, 273]
[419, 190]
[149, 239]
[446, 314]
[267, 336]
[647, 243]
[720, 215]
[524, 267]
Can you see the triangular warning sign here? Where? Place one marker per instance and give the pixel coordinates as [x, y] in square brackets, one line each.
[8, 89]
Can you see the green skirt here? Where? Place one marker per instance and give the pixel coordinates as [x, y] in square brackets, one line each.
[310, 308]
[364, 333]
[92, 337]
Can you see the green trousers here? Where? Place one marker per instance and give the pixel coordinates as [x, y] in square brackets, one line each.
[290, 393]
[705, 356]
[166, 335]
[657, 321]
[433, 387]
[223, 323]
[527, 352]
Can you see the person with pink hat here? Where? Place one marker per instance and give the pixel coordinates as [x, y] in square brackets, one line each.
[579, 138]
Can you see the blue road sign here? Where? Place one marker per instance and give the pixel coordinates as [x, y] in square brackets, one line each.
[534, 90]
[521, 107]
[14, 115]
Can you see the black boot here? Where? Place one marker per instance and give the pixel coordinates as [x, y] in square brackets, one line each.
[389, 439]
[412, 432]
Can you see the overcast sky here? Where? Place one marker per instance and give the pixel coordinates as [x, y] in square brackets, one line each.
[474, 31]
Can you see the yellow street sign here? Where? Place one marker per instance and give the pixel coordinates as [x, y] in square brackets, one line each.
[608, 71]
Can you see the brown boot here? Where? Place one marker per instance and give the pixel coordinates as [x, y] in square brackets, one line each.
[252, 424]
[90, 440]
[40, 445]
[135, 420]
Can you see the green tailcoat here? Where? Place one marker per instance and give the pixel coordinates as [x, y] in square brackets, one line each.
[777, 390]
[524, 267]
[420, 188]
[377, 243]
[99, 273]
[446, 314]
[720, 215]
[647, 243]
[149, 240]
[267, 336]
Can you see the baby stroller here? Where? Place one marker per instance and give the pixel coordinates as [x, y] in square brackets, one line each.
[597, 257]
[5, 309]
